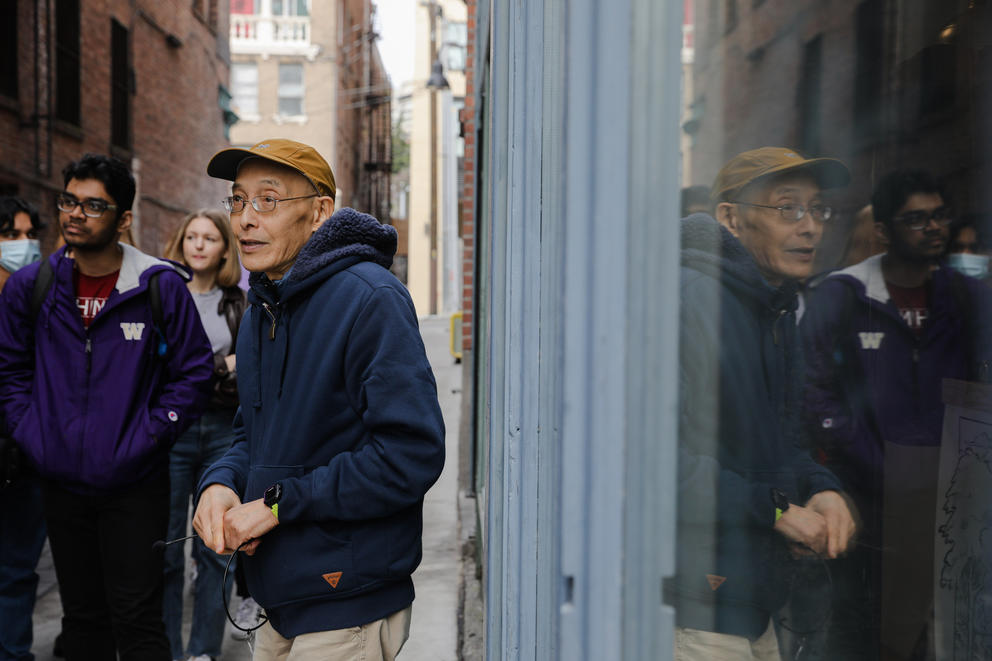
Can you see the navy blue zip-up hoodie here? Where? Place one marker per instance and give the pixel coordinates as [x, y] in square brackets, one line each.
[338, 405]
[739, 436]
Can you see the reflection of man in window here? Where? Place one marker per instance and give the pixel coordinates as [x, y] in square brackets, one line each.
[751, 498]
[880, 336]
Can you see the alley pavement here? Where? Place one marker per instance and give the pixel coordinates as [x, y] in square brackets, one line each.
[434, 628]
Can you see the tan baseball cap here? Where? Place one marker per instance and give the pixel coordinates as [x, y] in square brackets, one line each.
[750, 166]
[302, 158]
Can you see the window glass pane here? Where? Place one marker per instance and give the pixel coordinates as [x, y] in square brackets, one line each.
[454, 59]
[291, 89]
[67, 74]
[836, 327]
[242, 6]
[290, 8]
[455, 34]
[244, 86]
[8, 49]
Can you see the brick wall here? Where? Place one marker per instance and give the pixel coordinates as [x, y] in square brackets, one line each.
[467, 205]
[176, 121]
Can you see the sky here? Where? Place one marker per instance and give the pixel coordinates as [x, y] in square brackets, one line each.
[395, 21]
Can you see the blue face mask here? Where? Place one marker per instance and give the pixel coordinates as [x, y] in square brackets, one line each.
[17, 254]
[977, 266]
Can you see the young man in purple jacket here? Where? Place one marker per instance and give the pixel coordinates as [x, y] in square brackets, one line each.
[95, 392]
[880, 338]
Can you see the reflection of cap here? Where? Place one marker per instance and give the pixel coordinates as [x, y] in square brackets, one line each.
[302, 158]
[749, 166]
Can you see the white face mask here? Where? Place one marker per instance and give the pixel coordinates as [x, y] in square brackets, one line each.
[977, 266]
[17, 254]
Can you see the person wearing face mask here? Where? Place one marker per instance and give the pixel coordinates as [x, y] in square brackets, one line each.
[19, 229]
[965, 252]
[206, 245]
[22, 521]
[880, 338]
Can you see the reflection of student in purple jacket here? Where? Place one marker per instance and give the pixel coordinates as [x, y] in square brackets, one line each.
[96, 394]
[880, 336]
[206, 245]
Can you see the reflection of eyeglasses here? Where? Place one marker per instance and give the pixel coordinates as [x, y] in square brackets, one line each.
[261, 204]
[93, 207]
[917, 220]
[795, 212]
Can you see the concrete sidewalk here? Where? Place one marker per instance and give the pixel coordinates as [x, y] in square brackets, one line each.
[434, 630]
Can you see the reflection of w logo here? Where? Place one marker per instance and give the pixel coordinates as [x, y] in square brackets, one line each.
[132, 331]
[871, 340]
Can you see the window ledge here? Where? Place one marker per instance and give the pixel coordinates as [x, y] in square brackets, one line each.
[289, 119]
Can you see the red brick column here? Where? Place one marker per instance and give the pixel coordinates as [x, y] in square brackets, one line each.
[468, 190]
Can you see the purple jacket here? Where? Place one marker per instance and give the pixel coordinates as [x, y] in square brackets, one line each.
[872, 381]
[96, 409]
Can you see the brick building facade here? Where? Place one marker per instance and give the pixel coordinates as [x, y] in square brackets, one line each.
[144, 81]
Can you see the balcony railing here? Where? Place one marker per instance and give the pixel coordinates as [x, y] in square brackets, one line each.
[253, 33]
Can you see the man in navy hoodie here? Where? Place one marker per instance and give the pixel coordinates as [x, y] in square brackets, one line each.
[751, 498]
[95, 392]
[339, 434]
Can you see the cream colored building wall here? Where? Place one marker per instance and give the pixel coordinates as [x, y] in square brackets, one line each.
[320, 95]
[419, 245]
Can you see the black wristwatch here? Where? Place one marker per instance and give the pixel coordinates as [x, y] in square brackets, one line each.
[272, 497]
[781, 502]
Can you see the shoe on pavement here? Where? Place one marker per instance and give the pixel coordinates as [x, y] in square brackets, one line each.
[200, 657]
[248, 615]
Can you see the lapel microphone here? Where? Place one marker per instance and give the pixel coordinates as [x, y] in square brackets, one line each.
[161, 544]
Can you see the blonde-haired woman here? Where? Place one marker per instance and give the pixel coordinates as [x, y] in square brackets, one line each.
[206, 245]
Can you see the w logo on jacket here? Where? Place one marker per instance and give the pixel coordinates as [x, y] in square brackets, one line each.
[869, 340]
[132, 331]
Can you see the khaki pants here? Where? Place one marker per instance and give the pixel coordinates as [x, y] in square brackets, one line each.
[695, 645]
[375, 641]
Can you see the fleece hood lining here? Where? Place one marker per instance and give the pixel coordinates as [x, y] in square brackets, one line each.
[869, 274]
[135, 263]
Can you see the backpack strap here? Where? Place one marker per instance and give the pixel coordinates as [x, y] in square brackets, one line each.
[158, 319]
[42, 285]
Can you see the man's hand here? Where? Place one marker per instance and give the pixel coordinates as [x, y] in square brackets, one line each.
[840, 520]
[805, 528]
[208, 521]
[248, 522]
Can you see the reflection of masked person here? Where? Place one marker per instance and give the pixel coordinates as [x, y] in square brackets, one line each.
[975, 265]
[17, 254]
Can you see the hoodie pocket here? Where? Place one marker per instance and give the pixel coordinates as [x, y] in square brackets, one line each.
[302, 560]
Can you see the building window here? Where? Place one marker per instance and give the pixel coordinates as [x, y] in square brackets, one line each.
[868, 57]
[8, 49]
[243, 7]
[244, 85]
[455, 40]
[67, 76]
[731, 7]
[206, 11]
[291, 89]
[809, 97]
[120, 88]
[290, 8]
